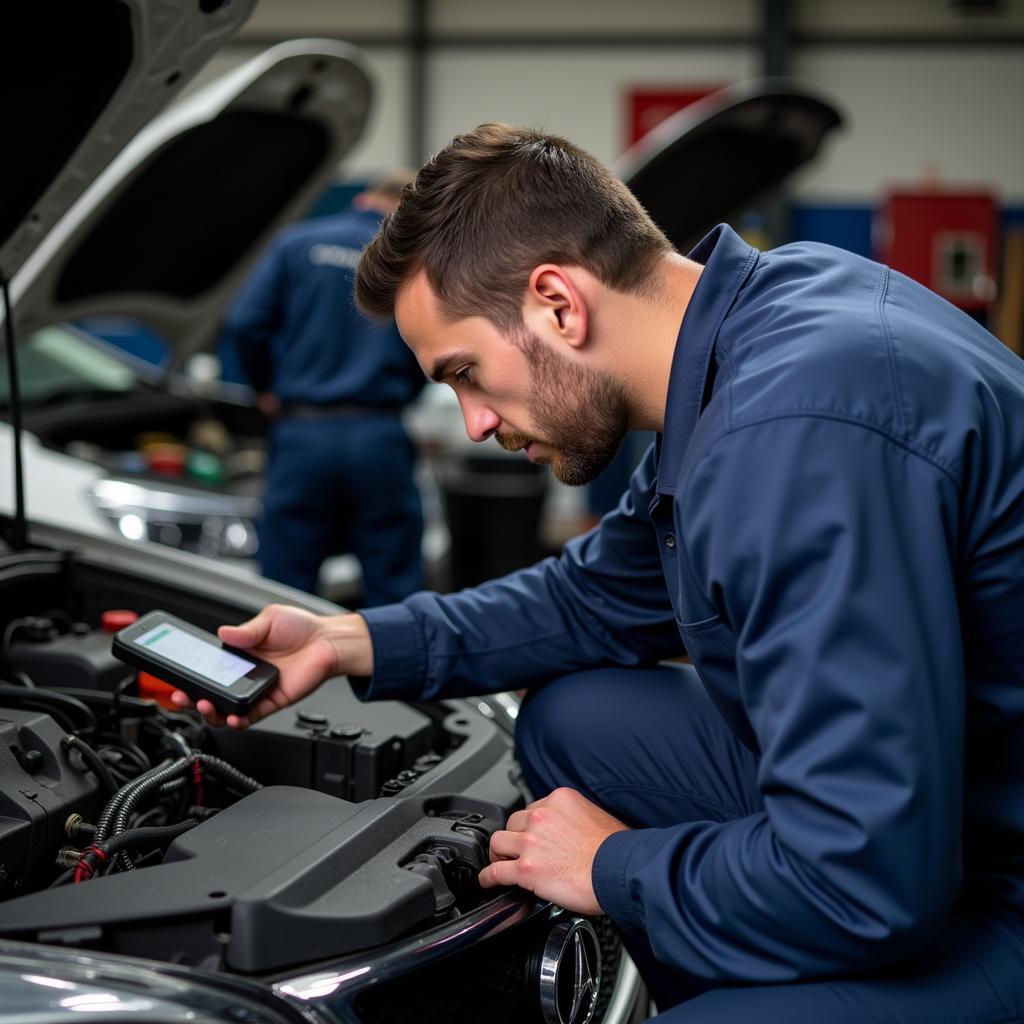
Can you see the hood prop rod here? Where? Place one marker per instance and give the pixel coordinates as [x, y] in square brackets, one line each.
[18, 532]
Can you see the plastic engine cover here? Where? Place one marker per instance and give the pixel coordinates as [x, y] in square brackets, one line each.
[284, 876]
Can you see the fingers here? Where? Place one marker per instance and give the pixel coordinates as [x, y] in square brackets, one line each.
[520, 820]
[506, 845]
[507, 866]
[204, 707]
[210, 714]
[274, 701]
[267, 706]
[501, 872]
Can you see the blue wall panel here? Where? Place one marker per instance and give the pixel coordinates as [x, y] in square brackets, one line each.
[848, 227]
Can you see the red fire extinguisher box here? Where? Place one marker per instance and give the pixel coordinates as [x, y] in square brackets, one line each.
[946, 240]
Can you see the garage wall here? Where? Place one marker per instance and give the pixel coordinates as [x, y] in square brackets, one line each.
[939, 18]
[595, 16]
[948, 113]
[579, 93]
[921, 98]
[291, 18]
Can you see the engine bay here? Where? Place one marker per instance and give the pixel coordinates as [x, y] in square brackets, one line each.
[203, 445]
[128, 825]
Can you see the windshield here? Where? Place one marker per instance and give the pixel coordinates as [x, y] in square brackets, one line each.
[55, 361]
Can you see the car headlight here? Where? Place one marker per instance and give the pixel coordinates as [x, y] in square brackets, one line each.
[60, 985]
[212, 524]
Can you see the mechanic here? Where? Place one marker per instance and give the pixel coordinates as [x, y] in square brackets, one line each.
[341, 466]
[823, 818]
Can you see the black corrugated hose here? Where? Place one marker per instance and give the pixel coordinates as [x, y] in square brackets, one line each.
[100, 853]
[164, 778]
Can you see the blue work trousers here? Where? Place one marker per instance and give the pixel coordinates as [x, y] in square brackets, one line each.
[649, 747]
[343, 484]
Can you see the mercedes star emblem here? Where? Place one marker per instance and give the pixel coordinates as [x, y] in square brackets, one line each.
[570, 973]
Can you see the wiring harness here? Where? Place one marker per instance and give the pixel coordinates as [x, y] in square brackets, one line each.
[119, 828]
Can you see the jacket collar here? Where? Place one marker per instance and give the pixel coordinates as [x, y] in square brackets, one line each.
[727, 261]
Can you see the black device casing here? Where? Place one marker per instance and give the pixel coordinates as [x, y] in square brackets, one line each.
[261, 679]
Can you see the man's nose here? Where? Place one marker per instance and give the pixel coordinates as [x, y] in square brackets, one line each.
[481, 422]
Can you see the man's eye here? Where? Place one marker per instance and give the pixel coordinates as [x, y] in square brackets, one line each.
[464, 376]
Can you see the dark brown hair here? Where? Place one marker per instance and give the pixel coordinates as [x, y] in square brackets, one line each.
[492, 205]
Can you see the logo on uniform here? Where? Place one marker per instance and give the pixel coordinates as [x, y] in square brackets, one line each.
[334, 256]
[570, 973]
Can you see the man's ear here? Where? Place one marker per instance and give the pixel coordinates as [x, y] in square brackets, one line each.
[555, 306]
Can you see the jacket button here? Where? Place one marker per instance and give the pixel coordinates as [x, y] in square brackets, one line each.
[670, 540]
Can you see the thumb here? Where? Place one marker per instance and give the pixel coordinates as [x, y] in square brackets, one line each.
[246, 634]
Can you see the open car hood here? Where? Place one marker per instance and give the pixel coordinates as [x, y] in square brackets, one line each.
[721, 155]
[80, 80]
[166, 232]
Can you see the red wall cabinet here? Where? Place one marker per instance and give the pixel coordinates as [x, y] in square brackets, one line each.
[946, 240]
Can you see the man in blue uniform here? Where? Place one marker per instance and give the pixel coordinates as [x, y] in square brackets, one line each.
[341, 466]
[823, 818]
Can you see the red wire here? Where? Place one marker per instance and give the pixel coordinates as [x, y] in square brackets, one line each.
[84, 868]
[197, 778]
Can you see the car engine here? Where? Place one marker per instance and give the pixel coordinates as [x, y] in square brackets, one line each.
[130, 826]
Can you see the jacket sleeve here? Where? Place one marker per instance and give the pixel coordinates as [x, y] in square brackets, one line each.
[255, 316]
[829, 550]
[603, 601]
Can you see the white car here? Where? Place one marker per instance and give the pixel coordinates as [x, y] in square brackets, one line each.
[163, 236]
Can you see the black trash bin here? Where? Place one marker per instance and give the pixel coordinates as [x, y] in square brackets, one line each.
[493, 506]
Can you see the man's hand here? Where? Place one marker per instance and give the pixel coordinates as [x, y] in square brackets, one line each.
[306, 648]
[549, 848]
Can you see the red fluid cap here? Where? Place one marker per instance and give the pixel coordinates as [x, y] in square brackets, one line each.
[117, 618]
[156, 689]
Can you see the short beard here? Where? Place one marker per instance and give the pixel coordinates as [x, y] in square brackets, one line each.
[579, 411]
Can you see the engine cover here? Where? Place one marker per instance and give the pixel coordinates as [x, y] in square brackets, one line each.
[39, 788]
[284, 876]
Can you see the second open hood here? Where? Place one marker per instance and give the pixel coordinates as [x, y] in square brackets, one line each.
[717, 157]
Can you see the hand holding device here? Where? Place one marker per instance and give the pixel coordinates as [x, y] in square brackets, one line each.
[195, 661]
[306, 648]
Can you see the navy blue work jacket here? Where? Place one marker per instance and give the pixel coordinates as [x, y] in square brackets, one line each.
[832, 524]
[296, 330]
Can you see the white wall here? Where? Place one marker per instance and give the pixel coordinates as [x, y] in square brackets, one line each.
[936, 16]
[294, 18]
[950, 110]
[579, 93]
[595, 15]
[385, 144]
[952, 113]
